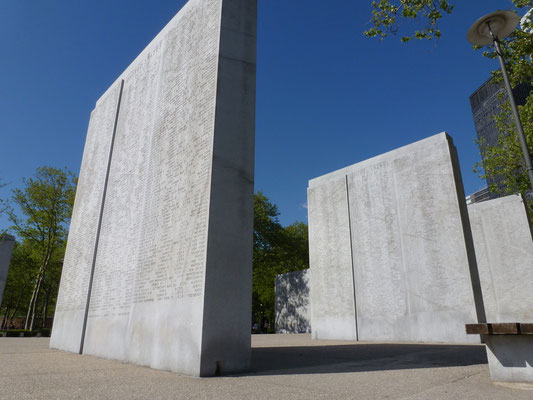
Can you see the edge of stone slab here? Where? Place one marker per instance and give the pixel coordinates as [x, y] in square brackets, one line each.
[172, 22]
[496, 202]
[443, 136]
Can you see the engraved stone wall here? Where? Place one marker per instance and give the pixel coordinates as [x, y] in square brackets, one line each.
[178, 204]
[331, 274]
[504, 252]
[6, 250]
[73, 290]
[411, 253]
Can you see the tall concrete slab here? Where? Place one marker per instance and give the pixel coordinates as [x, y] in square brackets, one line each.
[411, 252]
[170, 282]
[504, 251]
[73, 292]
[330, 258]
[6, 250]
[292, 302]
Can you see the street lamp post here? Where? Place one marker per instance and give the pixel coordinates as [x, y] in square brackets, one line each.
[491, 28]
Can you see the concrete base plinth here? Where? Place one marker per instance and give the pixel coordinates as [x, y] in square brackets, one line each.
[510, 358]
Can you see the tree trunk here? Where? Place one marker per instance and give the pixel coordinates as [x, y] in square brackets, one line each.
[30, 306]
[45, 307]
[39, 308]
[4, 321]
[33, 308]
[19, 300]
[33, 301]
[30, 315]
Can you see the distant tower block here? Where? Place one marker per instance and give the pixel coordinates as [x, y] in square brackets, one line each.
[6, 250]
[391, 251]
[158, 265]
[486, 102]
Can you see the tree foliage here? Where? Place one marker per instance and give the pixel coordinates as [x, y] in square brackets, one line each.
[504, 163]
[388, 14]
[40, 217]
[277, 250]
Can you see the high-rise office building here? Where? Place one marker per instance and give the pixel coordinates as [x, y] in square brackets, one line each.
[479, 196]
[486, 102]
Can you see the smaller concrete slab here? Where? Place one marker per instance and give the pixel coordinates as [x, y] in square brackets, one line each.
[292, 302]
[504, 253]
[390, 249]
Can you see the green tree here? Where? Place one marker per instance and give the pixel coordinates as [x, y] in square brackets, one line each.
[44, 208]
[277, 250]
[387, 16]
[504, 162]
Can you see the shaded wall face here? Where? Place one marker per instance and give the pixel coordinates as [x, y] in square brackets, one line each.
[162, 224]
[504, 252]
[292, 302]
[406, 254]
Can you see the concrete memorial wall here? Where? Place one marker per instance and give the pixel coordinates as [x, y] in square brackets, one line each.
[330, 258]
[504, 251]
[391, 252]
[162, 224]
[292, 302]
[6, 250]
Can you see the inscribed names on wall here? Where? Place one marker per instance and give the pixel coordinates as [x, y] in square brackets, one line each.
[154, 257]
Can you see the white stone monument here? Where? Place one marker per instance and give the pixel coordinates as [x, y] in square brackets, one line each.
[292, 302]
[391, 252]
[158, 265]
[504, 251]
[6, 250]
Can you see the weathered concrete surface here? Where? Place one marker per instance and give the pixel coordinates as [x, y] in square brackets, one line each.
[176, 226]
[504, 252]
[292, 302]
[411, 251]
[330, 259]
[6, 250]
[74, 287]
[283, 367]
[510, 358]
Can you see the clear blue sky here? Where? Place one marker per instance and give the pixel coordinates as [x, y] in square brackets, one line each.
[327, 96]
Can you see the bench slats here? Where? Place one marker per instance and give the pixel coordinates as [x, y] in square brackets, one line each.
[477, 329]
[500, 328]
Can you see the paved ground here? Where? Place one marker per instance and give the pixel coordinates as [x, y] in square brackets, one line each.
[284, 367]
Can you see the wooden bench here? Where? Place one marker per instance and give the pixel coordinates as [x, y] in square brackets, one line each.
[500, 328]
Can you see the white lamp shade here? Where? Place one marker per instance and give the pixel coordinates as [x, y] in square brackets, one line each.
[502, 23]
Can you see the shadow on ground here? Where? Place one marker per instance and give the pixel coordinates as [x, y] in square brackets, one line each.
[361, 357]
